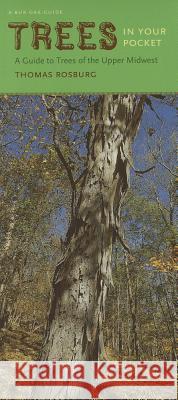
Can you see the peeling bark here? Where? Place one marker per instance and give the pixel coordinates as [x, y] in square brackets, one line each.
[83, 276]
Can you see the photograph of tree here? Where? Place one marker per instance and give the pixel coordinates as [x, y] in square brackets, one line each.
[87, 195]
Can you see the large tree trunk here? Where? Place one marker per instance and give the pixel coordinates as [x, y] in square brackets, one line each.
[83, 276]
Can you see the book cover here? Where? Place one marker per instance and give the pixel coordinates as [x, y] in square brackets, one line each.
[88, 122]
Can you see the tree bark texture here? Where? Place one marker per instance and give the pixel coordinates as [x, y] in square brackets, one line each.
[83, 276]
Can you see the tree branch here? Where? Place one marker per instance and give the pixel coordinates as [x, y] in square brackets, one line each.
[138, 172]
[83, 174]
[62, 159]
[166, 167]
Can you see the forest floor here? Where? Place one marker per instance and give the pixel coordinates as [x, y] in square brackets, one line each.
[16, 344]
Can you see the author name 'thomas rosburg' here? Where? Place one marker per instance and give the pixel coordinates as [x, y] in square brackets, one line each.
[68, 74]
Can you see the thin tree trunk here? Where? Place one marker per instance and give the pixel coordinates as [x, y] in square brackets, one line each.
[171, 317]
[160, 344]
[4, 271]
[119, 323]
[135, 345]
[83, 276]
[9, 234]
[128, 330]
